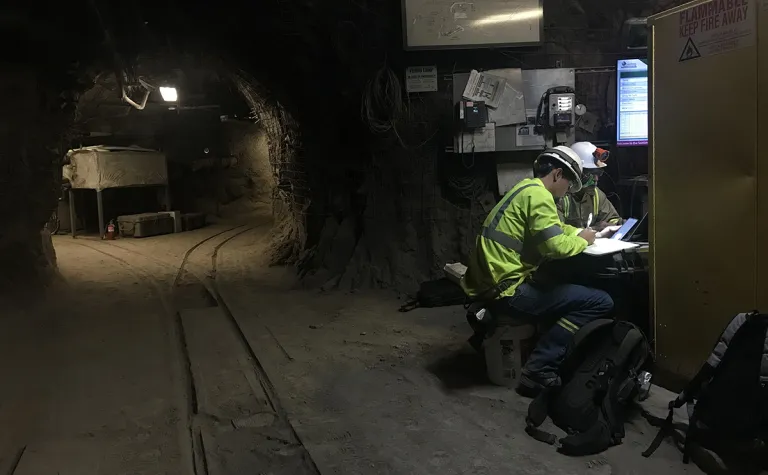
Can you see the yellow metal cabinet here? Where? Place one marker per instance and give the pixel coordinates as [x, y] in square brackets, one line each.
[707, 109]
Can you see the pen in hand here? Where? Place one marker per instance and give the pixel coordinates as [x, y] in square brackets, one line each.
[589, 220]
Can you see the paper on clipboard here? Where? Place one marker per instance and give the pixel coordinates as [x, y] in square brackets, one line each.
[485, 87]
[603, 246]
[478, 140]
[526, 137]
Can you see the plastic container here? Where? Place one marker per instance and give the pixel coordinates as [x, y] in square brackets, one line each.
[176, 215]
[192, 221]
[145, 224]
[506, 350]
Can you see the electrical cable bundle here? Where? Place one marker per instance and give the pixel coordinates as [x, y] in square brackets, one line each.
[467, 188]
[382, 104]
[384, 110]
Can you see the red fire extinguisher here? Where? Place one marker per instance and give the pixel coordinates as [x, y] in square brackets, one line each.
[110, 234]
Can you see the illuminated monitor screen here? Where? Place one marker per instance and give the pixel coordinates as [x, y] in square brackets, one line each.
[632, 102]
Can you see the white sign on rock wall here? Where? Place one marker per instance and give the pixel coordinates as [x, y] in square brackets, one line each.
[716, 27]
[421, 79]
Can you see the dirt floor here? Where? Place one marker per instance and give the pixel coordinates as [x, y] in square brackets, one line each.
[185, 354]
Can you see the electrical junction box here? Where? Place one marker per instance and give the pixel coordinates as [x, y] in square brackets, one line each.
[473, 114]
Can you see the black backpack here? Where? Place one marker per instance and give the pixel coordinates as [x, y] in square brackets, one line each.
[436, 293]
[599, 379]
[727, 400]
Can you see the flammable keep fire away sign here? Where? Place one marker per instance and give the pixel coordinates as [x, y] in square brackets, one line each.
[716, 27]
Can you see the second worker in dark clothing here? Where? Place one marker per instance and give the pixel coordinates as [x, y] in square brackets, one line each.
[574, 208]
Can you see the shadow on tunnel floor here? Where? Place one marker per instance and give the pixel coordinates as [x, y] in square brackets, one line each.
[460, 369]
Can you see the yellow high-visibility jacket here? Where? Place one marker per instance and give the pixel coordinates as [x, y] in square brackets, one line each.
[593, 200]
[521, 231]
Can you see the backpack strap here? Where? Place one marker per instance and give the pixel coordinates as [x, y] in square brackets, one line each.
[542, 435]
[666, 427]
[619, 393]
[628, 344]
[725, 339]
[537, 413]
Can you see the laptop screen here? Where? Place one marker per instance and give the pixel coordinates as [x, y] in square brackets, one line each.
[624, 229]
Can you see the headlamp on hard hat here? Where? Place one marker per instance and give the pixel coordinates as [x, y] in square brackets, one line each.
[601, 156]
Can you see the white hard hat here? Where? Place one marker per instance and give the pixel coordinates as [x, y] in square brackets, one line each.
[570, 159]
[590, 159]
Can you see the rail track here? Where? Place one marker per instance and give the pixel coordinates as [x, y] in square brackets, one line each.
[129, 256]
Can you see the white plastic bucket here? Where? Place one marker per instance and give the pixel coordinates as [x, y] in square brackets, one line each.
[504, 353]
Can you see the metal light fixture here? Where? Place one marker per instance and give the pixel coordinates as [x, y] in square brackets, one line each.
[169, 94]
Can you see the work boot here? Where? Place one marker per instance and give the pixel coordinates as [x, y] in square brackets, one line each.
[530, 385]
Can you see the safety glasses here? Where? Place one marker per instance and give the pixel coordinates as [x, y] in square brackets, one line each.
[571, 184]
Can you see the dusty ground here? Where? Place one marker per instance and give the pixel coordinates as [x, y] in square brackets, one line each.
[143, 361]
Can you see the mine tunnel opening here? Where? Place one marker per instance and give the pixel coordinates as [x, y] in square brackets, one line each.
[221, 150]
[353, 172]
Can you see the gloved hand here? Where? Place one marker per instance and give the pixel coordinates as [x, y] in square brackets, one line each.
[608, 231]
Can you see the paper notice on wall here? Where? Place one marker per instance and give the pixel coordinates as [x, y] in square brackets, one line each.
[511, 108]
[421, 79]
[485, 87]
[526, 137]
[715, 27]
[478, 140]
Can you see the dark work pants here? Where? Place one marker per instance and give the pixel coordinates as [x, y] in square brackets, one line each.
[567, 307]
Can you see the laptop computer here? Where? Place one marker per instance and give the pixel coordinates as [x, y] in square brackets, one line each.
[623, 234]
[640, 232]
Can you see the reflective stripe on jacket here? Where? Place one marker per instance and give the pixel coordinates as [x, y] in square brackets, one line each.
[520, 232]
[576, 213]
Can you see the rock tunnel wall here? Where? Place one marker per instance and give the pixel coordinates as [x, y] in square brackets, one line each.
[250, 180]
[289, 183]
[32, 121]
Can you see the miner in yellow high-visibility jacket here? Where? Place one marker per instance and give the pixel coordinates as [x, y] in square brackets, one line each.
[520, 233]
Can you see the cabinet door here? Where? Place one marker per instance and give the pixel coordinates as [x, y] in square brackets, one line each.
[703, 193]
